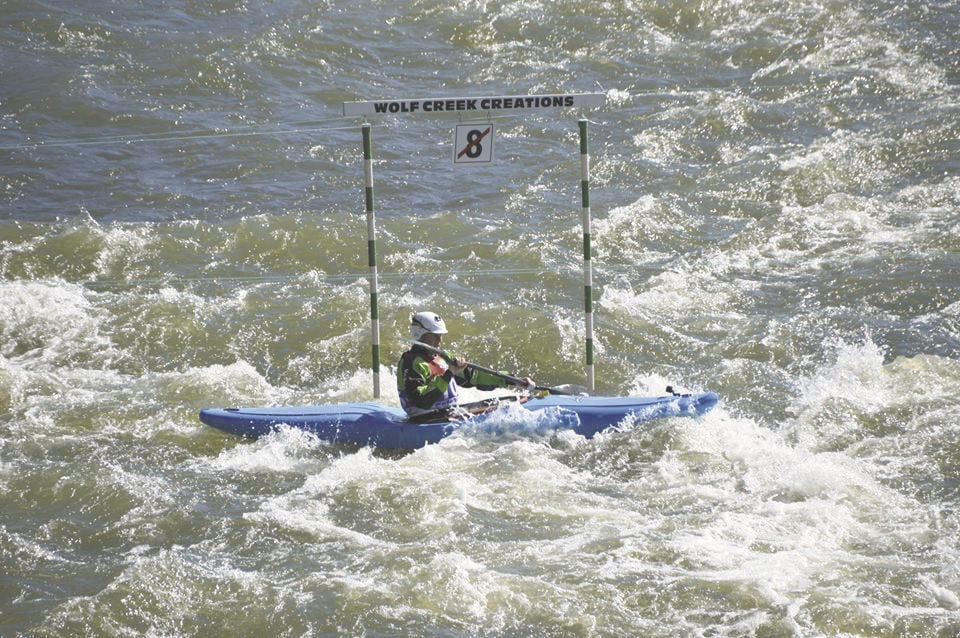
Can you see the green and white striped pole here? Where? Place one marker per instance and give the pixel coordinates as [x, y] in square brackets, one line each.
[587, 262]
[372, 258]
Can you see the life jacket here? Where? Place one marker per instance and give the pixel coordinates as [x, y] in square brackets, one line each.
[444, 391]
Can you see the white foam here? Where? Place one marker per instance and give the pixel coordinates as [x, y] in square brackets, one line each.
[861, 382]
[618, 97]
[462, 586]
[307, 508]
[791, 525]
[285, 450]
[50, 323]
[121, 245]
[857, 375]
[234, 384]
[866, 53]
[514, 421]
[673, 295]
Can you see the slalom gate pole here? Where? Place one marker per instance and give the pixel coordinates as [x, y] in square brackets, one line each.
[372, 258]
[587, 262]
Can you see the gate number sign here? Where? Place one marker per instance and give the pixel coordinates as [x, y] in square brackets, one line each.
[473, 144]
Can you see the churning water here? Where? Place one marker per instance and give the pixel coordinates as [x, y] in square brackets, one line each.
[776, 202]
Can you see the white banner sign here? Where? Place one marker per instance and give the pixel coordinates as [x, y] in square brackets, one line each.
[514, 103]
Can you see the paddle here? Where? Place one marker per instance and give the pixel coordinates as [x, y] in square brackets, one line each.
[566, 389]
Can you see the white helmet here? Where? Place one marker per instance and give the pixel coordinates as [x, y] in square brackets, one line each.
[424, 322]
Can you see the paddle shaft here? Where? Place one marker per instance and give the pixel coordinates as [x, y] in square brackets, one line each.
[509, 378]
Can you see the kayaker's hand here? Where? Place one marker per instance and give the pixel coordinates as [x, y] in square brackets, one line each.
[530, 383]
[458, 365]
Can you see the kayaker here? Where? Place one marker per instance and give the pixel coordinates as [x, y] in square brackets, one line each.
[426, 382]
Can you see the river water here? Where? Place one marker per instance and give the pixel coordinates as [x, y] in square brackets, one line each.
[776, 217]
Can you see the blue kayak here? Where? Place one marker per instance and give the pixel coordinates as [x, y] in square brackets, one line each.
[375, 424]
